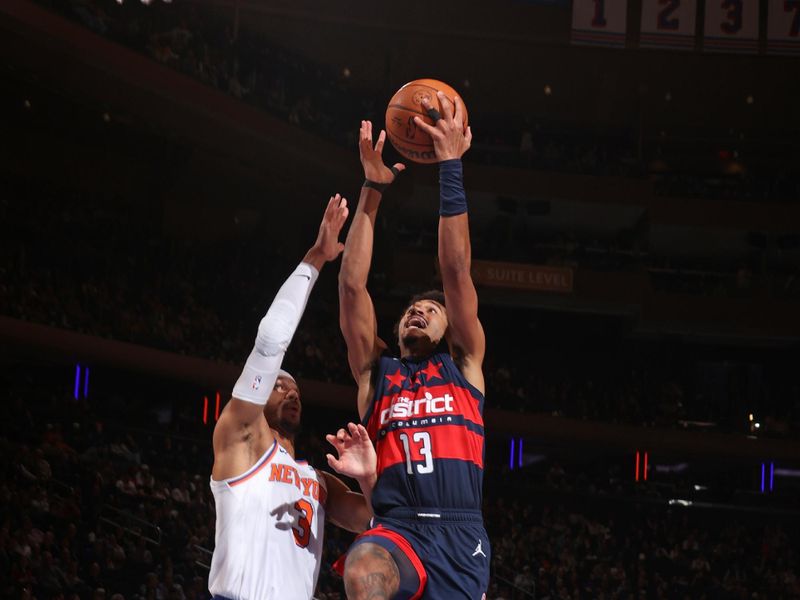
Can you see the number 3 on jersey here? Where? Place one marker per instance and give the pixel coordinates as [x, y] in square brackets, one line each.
[302, 528]
[424, 450]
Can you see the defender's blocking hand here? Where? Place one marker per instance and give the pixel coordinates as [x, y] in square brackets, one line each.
[372, 157]
[328, 245]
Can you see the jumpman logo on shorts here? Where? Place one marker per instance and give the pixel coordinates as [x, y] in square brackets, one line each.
[479, 550]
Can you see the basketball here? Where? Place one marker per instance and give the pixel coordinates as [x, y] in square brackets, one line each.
[409, 140]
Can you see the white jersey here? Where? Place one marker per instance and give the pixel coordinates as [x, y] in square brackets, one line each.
[270, 525]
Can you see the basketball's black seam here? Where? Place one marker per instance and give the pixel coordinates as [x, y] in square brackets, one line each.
[407, 109]
[422, 85]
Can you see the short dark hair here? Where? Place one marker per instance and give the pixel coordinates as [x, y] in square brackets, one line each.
[435, 295]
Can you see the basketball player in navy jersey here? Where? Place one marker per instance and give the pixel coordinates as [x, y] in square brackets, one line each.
[423, 410]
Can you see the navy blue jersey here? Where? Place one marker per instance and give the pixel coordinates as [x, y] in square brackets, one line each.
[426, 421]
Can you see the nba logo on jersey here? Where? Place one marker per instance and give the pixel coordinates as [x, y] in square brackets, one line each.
[256, 382]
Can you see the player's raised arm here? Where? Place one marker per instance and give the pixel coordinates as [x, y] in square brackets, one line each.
[356, 312]
[242, 433]
[451, 140]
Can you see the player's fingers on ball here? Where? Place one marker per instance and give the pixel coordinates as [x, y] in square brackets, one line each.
[459, 116]
[429, 129]
[468, 136]
[447, 106]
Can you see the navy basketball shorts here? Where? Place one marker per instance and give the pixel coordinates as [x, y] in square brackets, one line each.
[441, 555]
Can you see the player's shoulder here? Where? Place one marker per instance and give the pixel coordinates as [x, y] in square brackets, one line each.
[450, 363]
[444, 357]
[386, 362]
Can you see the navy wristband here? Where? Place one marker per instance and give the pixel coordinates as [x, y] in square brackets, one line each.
[452, 198]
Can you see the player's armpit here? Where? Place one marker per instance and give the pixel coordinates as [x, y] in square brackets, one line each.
[241, 436]
[472, 369]
[345, 508]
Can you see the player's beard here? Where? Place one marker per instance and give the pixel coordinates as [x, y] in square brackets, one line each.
[289, 427]
[423, 345]
[410, 342]
[414, 341]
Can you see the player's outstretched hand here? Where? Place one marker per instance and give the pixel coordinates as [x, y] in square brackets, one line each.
[357, 458]
[372, 156]
[450, 138]
[328, 245]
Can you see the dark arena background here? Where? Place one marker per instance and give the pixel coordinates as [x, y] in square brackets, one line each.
[635, 215]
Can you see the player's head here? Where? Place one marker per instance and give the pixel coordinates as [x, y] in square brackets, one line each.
[423, 324]
[283, 408]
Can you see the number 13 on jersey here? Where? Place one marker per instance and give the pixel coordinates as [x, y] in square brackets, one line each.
[419, 444]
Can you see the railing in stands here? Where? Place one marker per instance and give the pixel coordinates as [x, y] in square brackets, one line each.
[131, 524]
[204, 551]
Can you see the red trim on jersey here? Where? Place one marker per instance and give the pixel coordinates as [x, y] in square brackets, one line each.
[403, 545]
[406, 548]
[447, 441]
[258, 466]
[338, 565]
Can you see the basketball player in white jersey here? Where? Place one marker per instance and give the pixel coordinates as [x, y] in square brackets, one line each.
[270, 506]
